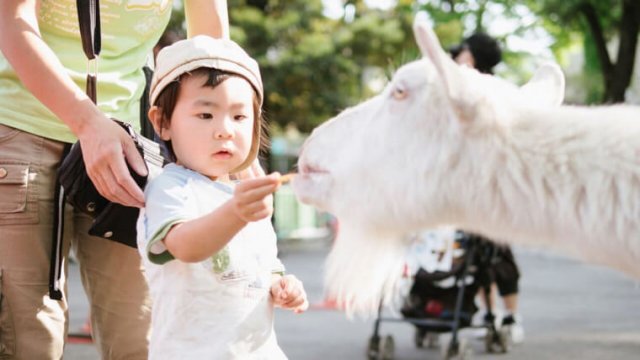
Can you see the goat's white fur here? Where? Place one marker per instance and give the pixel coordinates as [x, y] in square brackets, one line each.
[444, 144]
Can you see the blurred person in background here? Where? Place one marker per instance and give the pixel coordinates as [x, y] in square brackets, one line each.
[482, 52]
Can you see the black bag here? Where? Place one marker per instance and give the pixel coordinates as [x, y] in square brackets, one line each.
[112, 221]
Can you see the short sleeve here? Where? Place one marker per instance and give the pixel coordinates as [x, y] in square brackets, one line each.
[277, 267]
[167, 203]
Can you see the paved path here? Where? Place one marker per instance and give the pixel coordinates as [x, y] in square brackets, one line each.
[571, 311]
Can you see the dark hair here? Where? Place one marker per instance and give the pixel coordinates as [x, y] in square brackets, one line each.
[168, 97]
[485, 50]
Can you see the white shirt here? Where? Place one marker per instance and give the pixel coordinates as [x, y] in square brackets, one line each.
[219, 308]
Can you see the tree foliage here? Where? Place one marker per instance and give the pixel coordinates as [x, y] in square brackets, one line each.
[599, 21]
[313, 66]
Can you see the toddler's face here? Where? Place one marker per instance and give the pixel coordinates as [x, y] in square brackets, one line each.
[211, 128]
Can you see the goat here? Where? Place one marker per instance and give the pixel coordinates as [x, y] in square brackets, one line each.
[444, 144]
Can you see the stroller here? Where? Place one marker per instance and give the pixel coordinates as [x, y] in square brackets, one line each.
[442, 299]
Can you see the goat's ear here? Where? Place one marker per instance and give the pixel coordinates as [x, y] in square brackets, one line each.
[450, 73]
[546, 87]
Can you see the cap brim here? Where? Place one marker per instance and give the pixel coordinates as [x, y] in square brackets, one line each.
[220, 64]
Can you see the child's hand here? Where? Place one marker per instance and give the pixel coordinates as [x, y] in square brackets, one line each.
[287, 292]
[252, 172]
[252, 200]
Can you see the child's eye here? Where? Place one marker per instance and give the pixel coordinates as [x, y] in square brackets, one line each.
[205, 116]
[240, 117]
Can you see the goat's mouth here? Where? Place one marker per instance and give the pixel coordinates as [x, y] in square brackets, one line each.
[312, 185]
[310, 171]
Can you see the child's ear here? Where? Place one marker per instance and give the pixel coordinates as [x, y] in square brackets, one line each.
[155, 116]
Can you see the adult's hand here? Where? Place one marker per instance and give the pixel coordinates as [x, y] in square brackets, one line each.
[105, 146]
[39, 69]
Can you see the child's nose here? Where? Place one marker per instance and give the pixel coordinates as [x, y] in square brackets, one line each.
[224, 130]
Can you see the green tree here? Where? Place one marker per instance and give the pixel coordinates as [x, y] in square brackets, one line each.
[305, 82]
[599, 21]
[455, 19]
[596, 22]
[312, 65]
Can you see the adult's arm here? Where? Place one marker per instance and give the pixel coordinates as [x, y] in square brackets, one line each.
[207, 17]
[103, 142]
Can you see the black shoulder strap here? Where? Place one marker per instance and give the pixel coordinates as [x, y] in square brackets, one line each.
[55, 268]
[146, 129]
[90, 33]
[89, 21]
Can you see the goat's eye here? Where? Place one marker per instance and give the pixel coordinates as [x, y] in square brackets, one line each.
[399, 93]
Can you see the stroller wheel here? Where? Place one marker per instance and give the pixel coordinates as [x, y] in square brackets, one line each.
[387, 348]
[497, 341]
[432, 340]
[372, 349]
[489, 341]
[381, 348]
[424, 338]
[504, 338]
[460, 351]
[419, 337]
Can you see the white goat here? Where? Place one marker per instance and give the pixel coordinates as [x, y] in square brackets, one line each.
[444, 144]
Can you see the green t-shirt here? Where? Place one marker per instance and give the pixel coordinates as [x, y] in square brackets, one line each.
[130, 29]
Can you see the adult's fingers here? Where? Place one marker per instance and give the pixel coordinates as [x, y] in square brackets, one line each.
[109, 186]
[133, 157]
[98, 169]
[124, 189]
[110, 175]
[105, 145]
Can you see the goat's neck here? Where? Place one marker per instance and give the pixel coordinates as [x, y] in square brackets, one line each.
[557, 174]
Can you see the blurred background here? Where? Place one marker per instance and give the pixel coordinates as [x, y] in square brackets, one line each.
[320, 56]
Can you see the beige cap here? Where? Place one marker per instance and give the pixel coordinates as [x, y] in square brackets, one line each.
[203, 51]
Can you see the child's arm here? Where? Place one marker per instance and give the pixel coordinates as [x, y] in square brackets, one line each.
[198, 239]
[287, 292]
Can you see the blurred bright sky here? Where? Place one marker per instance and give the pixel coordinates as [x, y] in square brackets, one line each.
[334, 8]
[536, 41]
